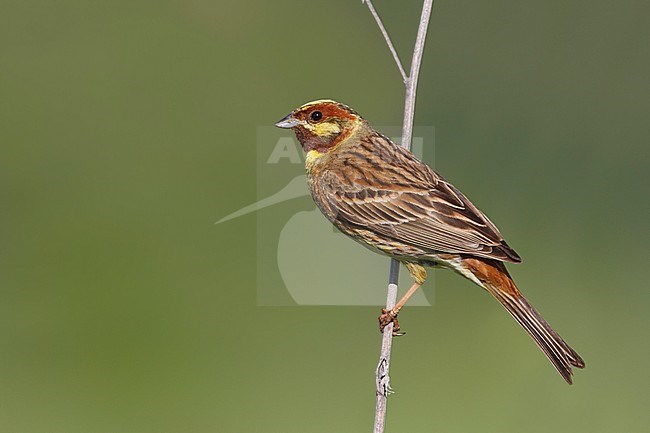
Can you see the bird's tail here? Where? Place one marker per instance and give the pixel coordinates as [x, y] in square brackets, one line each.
[494, 277]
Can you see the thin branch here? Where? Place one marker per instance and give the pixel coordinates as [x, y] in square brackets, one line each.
[411, 82]
[382, 377]
[388, 41]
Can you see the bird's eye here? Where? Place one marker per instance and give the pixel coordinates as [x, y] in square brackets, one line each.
[316, 116]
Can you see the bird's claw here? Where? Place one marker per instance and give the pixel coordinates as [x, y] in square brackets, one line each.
[387, 317]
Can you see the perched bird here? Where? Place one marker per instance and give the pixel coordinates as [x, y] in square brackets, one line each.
[382, 196]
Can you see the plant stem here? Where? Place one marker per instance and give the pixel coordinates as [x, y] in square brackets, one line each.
[412, 81]
[383, 368]
[387, 38]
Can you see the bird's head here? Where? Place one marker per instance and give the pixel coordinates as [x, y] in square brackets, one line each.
[321, 125]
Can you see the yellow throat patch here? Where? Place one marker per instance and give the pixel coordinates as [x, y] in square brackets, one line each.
[311, 158]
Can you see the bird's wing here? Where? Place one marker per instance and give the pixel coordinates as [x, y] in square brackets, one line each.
[402, 201]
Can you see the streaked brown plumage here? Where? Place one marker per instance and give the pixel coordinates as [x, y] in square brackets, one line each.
[381, 195]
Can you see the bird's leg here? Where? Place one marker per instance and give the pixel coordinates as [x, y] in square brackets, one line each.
[419, 273]
[389, 316]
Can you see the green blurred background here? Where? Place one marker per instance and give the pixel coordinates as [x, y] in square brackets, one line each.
[128, 127]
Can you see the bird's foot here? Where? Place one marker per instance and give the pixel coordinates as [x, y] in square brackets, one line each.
[387, 317]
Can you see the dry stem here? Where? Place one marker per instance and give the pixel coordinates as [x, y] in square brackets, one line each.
[410, 82]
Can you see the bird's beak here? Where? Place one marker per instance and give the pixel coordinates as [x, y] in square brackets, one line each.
[288, 122]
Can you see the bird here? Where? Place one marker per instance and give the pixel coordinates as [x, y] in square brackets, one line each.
[382, 196]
